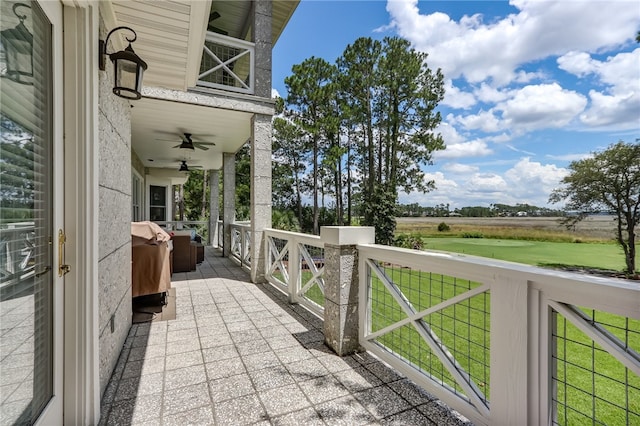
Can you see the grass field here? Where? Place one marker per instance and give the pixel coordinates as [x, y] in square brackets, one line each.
[538, 253]
[538, 241]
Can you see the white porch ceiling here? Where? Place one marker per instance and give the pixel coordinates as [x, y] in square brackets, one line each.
[158, 126]
[170, 39]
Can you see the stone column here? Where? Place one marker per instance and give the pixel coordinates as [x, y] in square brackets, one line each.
[228, 199]
[214, 206]
[263, 51]
[341, 285]
[260, 192]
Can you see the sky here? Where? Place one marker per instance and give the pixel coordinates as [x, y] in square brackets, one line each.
[531, 85]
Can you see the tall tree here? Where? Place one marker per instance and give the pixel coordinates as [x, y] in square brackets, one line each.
[290, 156]
[310, 90]
[608, 180]
[393, 96]
[358, 83]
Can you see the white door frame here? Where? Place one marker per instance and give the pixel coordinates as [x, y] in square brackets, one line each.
[76, 358]
[81, 358]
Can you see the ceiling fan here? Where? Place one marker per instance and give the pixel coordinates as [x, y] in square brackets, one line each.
[185, 168]
[189, 143]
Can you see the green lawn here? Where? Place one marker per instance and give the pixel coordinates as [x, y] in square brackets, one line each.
[602, 256]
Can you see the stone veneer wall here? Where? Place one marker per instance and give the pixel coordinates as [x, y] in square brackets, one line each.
[114, 232]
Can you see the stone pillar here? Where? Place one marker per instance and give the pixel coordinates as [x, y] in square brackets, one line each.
[341, 285]
[260, 192]
[263, 51]
[228, 199]
[214, 206]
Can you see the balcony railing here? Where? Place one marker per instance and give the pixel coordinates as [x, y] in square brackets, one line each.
[498, 341]
[241, 244]
[227, 64]
[295, 264]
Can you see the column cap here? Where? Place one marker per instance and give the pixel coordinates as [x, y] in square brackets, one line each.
[347, 235]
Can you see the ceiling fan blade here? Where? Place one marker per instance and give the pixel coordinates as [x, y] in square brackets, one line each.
[202, 147]
[177, 146]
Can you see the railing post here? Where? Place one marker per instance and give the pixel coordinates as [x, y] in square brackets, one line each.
[229, 199]
[214, 208]
[294, 270]
[509, 350]
[341, 332]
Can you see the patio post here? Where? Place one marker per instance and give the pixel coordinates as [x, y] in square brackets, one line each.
[261, 140]
[228, 198]
[214, 207]
[260, 194]
[341, 281]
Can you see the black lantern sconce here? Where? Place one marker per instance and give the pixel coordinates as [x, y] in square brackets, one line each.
[128, 67]
[17, 44]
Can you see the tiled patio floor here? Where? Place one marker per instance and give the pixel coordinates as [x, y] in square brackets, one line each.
[239, 354]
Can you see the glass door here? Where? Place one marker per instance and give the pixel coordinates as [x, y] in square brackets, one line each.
[30, 288]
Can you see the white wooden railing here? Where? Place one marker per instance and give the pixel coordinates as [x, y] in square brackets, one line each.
[295, 264]
[503, 342]
[227, 64]
[500, 342]
[241, 244]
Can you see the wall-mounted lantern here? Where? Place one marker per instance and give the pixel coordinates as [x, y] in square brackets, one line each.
[17, 44]
[128, 67]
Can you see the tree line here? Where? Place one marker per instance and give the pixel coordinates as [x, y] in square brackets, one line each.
[349, 135]
[493, 210]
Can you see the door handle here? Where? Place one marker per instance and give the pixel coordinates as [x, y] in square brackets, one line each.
[62, 268]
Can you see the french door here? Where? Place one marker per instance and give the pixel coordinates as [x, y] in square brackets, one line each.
[31, 212]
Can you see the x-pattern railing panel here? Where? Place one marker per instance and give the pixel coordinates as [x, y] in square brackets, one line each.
[227, 63]
[295, 264]
[457, 378]
[311, 286]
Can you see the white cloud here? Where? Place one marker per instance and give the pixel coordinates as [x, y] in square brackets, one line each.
[456, 98]
[570, 157]
[620, 112]
[483, 120]
[475, 148]
[495, 50]
[524, 182]
[487, 183]
[541, 106]
[488, 94]
[533, 181]
[458, 168]
[618, 105]
[449, 133]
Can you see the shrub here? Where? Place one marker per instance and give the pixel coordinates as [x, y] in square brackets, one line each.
[472, 235]
[408, 241]
[443, 227]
